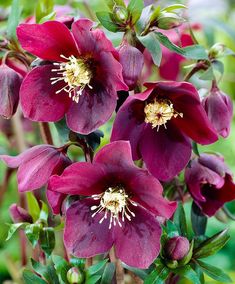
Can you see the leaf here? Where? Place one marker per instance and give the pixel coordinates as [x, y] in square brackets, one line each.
[157, 276]
[171, 229]
[155, 14]
[13, 20]
[32, 232]
[63, 130]
[208, 75]
[135, 8]
[46, 271]
[108, 273]
[79, 262]
[44, 212]
[195, 148]
[61, 266]
[188, 273]
[174, 7]
[192, 52]
[33, 206]
[96, 268]
[180, 220]
[212, 245]
[31, 278]
[106, 21]
[15, 227]
[141, 273]
[199, 221]
[218, 66]
[144, 19]
[48, 17]
[94, 279]
[47, 240]
[43, 9]
[151, 42]
[112, 3]
[214, 272]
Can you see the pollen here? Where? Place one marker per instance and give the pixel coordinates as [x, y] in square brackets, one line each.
[115, 204]
[75, 73]
[159, 112]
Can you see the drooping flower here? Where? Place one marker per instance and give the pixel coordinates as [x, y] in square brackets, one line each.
[219, 108]
[36, 165]
[159, 124]
[82, 81]
[122, 207]
[19, 214]
[210, 182]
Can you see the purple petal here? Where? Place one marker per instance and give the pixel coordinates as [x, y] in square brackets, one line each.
[55, 200]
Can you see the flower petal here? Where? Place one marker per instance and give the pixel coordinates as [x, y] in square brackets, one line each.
[83, 235]
[48, 41]
[137, 243]
[55, 200]
[38, 96]
[165, 152]
[79, 179]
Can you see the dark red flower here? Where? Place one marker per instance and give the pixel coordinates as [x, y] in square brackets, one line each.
[123, 209]
[36, 165]
[176, 248]
[210, 182]
[81, 83]
[159, 124]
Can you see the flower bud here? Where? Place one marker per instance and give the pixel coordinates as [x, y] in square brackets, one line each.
[219, 108]
[176, 248]
[19, 214]
[75, 276]
[120, 14]
[10, 82]
[167, 21]
[216, 50]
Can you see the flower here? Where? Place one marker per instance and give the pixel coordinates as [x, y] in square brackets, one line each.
[219, 108]
[82, 81]
[210, 182]
[36, 165]
[159, 124]
[19, 214]
[176, 248]
[123, 206]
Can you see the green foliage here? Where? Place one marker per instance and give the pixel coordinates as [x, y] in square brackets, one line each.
[13, 20]
[199, 221]
[106, 19]
[31, 278]
[44, 10]
[158, 275]
[135, 8]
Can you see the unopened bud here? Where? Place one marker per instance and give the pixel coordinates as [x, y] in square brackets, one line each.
[19, 214]
[176, 248]
[75, 276]
[168, 21]
[120, 14]
[216, 50]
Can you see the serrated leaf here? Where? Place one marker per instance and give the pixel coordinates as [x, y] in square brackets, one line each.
[192, 52]
[47, 271]
[13, 20]
[180, 220]
[199, 221]
[157, 276]
[32, 232]
[135, 8]
[94, 279]
[14, 227]
[211, 245]
[33, 206]
[214, 272]
[174, 7]
[108, 273]
[62, 267]
[151, 42]
[31, 278]
[96, 267]
[47, 240]
[106, 21]
[188, 272]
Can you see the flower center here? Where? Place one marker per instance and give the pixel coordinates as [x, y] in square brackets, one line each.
[115, 202]
[159, 112]
[75, 73]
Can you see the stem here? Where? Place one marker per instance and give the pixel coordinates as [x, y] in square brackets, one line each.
[119, 268]
[201, 65]
[45, 133]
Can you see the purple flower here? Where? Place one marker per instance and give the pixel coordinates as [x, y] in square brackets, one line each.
[123, 206]
[83, 81]
[159, 124]
[210, 182]
[19, 214]
[219, 108]
[36, 165]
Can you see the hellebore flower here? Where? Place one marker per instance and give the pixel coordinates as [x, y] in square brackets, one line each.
[123, 206]
[219, 108]
[36, 165]
[210, 182]
[19, 214]
[10, 82]
[176, 248]
[159, 124]
[83, 81]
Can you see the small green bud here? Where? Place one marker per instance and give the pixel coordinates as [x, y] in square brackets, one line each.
[120, 14]
[171, 263]
[216, 50]
[75, 276]
[168, 21]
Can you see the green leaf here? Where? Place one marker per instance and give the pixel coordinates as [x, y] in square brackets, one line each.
[192, 52]
[135, 8]
[212, 245]
[47, 240]
[208, 75]
[13, 20]
[180, 220]
[46, 271]
[43, 9]
[48, 17]
[79, 262]
[63, 130]
[61, 266]
[94, 279]
[14, 227]
[171, 229]
[151, 42]
[31, 278]
[157, 276]
[141, 273]
[195, 148]
[214, 272]
[97, 267]
[155, 14]
[112, 3]
[199, 221]
[106, 20]
[218, 66]
[44, 212]
[174, 7]
[144, 19]
[188, 273]
[108, 273]
[33, 206]
[32, 232]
